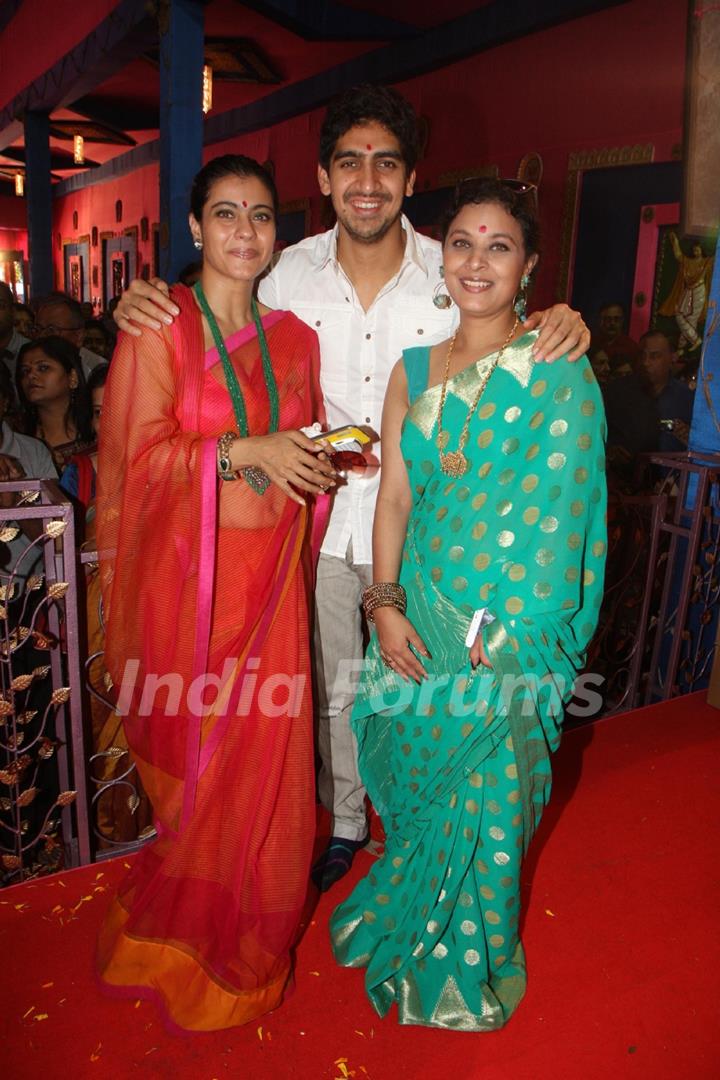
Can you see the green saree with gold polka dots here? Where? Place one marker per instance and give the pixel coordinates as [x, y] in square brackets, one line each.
[459, 768]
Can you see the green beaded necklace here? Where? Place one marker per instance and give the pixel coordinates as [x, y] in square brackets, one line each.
[234, 388]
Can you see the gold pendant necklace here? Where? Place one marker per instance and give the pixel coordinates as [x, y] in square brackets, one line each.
[454, 463]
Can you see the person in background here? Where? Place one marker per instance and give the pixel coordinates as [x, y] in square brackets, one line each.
[190, 273]
[58, 315]
[80, 474]
[673, 398]
[20, 456]
[53, 397]
[119, 818]
[600, 363]
[369, 287]
[106, 318]
[24, 320]
[11, 339]
[98, 339]
[612, 339]
[633, 429]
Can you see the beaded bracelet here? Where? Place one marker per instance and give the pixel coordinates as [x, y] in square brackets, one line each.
[224, 467]
[383, 594]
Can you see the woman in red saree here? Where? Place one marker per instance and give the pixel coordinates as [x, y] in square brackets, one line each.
[204, 584]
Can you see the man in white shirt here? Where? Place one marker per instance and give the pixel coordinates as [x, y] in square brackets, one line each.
[367, 288]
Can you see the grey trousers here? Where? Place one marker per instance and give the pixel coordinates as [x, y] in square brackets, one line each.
[339, 650]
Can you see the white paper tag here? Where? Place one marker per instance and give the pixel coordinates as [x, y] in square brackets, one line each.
[481, 618]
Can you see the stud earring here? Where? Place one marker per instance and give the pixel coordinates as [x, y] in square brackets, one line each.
[198, 244]
[441, 300]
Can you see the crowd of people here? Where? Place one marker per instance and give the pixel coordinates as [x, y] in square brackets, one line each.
[648, 389]
[242, 555]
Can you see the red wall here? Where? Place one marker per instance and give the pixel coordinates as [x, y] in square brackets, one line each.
[608, 80]
[95, 206]
[12, 212]
[52, 34]
[13, 225]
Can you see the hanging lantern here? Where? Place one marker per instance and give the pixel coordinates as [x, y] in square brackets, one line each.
[207, 89]
[19, 184]
[79, 150]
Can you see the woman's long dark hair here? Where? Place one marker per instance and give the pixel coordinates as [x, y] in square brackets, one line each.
[79, 410]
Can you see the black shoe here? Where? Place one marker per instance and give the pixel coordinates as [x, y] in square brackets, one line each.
[336, 860]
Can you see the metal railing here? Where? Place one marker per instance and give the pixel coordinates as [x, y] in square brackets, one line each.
[656, 637]
[43, 781]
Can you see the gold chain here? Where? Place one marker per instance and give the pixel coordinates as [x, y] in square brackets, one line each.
[455, 463]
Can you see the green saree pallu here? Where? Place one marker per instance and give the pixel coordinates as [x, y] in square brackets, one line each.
[459, 767]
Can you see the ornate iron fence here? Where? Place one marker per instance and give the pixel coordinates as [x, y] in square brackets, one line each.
[43, 783]
[66, 776]
[656, 637]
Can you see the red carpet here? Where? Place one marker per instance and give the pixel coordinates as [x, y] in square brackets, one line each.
[621, 935]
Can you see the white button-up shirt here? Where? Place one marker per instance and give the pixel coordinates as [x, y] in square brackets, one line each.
[358, 350]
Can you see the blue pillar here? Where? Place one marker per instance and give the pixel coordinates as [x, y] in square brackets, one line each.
[39, 201]
[181, 129]
[705, 429]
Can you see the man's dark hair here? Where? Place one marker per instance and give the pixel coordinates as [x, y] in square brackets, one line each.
[368, 104]
[517, 204]
[69, 302]
[97, 378]
[672, 342]
[190, 273]
[7, 392]
[613, 303]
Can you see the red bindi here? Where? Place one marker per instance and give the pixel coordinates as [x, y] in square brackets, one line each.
[244, 204]
[369, 146]
[483, 228]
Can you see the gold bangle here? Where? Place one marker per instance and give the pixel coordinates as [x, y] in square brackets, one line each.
[383, 594]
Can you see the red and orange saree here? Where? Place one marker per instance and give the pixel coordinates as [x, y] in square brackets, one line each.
[205, 589]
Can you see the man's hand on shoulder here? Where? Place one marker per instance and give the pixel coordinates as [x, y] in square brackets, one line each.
[145, 303]
[562, 330]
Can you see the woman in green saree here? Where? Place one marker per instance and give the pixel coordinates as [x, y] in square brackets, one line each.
[492, 500]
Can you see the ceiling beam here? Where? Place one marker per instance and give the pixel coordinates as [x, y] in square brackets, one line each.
[8, 8]
[482, 29]
[119, 38]
[327, 20]
[479, 30]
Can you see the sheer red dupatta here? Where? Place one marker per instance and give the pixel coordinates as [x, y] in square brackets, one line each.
[197, 584]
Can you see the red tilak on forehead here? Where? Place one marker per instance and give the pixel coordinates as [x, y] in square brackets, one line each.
[482, 228]
[244, 204]
[369, 146]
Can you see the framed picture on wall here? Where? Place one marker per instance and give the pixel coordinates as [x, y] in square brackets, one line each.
[682, 288]
[652, 220]
[75, 284]
[119, 277]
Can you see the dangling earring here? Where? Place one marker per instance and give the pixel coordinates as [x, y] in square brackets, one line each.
[198, 244]
[440, 299]
[520, 305]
